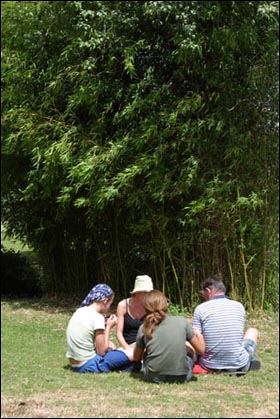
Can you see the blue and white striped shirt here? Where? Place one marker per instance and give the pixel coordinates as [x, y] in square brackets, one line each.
[222, 323]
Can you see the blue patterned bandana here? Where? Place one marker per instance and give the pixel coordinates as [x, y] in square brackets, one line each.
[97, 293]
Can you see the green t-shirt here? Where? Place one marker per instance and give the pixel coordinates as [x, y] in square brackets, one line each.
[166, 353]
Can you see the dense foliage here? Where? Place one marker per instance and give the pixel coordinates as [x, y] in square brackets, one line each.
[19, 275]
[142, 137]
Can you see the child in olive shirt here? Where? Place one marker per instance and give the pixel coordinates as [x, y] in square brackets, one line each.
[161, 340]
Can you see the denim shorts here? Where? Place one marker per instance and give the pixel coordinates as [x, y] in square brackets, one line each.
[250, 347]
[113, 360]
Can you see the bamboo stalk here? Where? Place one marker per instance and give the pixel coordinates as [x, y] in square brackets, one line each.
[176, 278]
[244, 265]
[233, 291]
[243, 259]
[264, 255]
[119, 254]
[166, 246]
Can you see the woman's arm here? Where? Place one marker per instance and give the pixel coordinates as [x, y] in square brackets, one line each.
[138, 353]
[121, 310]
[197, 342]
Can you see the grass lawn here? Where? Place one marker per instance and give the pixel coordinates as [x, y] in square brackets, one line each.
[11, 243]
[37, 383]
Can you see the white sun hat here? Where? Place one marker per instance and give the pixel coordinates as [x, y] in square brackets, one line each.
[143, 283]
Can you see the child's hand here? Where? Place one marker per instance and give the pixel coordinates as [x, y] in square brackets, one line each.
[112, 345]
[111, 321]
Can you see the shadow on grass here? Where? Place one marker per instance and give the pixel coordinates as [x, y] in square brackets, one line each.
[48, 304]
[67, 367]
[136, 374]
[140, 377]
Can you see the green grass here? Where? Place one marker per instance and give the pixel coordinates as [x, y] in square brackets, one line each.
[36, 381]
[11, 243]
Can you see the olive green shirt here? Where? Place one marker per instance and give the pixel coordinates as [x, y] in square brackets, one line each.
[166, 353]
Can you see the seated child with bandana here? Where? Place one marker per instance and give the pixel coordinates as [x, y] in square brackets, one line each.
[88, 346]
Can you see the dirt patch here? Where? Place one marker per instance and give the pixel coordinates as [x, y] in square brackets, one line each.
[13, 408]
[63, 404]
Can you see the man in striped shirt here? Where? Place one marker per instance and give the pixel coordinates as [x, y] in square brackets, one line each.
[222, 324]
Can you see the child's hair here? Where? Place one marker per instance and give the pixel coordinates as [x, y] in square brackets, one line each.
[156, 307]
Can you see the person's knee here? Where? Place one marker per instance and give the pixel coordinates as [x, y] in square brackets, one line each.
[252, 333]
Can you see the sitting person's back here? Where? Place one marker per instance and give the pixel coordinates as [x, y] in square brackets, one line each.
[161, 340]
[222, 324]
[88, 346]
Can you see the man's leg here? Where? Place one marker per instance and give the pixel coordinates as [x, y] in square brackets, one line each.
[250, 342]
[252, 333]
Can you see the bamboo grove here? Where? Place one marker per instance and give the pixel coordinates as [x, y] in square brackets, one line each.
[142, 137]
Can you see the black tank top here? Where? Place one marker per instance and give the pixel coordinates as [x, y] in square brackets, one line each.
[130, 327]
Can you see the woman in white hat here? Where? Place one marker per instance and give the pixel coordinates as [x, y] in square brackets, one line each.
[130, 312]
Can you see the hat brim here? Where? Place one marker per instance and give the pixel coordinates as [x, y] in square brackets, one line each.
[135, 291]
